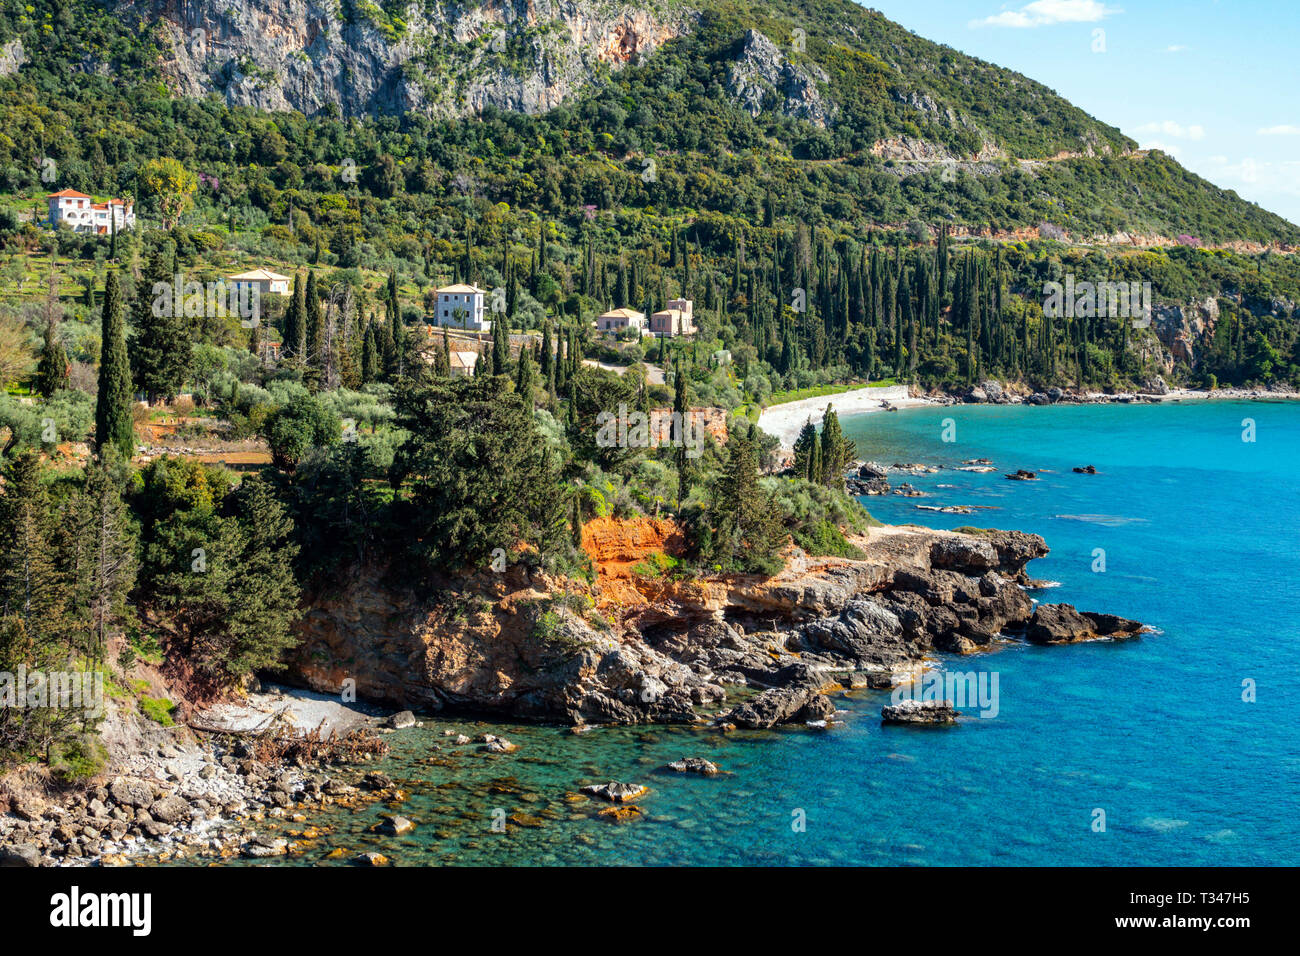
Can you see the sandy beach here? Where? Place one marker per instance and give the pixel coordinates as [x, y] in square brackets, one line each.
[785, 420]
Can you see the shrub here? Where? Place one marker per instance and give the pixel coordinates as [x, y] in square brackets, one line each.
[78, 759]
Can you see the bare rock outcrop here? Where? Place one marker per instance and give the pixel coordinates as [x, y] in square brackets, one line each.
[437, 60]
[762, 78]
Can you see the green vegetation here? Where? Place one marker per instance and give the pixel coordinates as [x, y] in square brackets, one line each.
[815, 265]
[158, 709]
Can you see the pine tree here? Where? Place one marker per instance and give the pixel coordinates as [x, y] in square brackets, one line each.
[805, 447]
[747, 534]
[161, 350]
[113, 423]
[29, 580]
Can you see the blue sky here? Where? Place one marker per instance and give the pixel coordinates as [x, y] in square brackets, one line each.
[1212, 82]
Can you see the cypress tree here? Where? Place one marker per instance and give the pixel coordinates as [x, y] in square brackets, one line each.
[113, 424]
[370, 354]
[315, 326]
[112, 565]
[52, 372]
[836, 451]
[295, 322]
[524, 376]
[682, 409]
[500, 345]
[548, 350]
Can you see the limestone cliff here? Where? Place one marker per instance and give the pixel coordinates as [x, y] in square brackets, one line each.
[438, 59]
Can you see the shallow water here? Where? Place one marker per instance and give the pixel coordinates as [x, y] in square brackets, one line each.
[1198, 531]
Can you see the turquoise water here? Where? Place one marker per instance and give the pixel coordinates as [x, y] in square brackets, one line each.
[1198, 530]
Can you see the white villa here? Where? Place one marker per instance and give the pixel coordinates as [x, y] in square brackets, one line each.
[616, 320]
[466, 299]
[677, 319]
[263, 280]
[83, 214]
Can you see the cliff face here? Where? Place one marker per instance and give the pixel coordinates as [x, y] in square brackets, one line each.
[434, 59]
[640, 645]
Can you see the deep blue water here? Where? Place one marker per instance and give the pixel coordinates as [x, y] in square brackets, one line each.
[1198, 529]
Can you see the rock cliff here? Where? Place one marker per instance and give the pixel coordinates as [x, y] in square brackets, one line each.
[437, 59]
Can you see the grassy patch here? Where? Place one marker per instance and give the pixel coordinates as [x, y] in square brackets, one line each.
[158, 709]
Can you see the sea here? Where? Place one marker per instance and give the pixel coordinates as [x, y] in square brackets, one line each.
[1181, 747]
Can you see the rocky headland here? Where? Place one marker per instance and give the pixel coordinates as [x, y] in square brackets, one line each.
[640, 645]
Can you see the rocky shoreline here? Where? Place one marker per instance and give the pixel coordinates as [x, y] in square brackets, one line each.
[676, 649]
[175, 795]
[1155, 391]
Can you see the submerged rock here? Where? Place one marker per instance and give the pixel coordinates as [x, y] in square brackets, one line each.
[621, 814]
[392, 825]
[694, 765]
[497, 745]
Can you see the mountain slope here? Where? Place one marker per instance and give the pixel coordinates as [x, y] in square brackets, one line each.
[823, 112]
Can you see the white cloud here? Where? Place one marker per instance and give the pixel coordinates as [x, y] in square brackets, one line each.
[1041, 13]
[1283, 130]
[1175, 48]
[1176, 130]
[1173, 151]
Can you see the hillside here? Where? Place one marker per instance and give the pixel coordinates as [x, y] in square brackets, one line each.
[817, 112]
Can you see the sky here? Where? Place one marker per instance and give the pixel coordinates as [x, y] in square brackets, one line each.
[1214, 83]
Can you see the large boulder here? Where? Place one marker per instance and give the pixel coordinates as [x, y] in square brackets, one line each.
[23, 854]
[798, 697]
[965, 554]
[616, 792]
[920, 712]
[170, 809]
[128, 792]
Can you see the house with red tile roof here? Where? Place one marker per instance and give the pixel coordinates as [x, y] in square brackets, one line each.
[83, 214]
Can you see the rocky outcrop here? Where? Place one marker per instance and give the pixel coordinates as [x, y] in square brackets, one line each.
[1180, 328]
[439, 60]
[868, 479]
[1062, 624]
[763, 79]
[928, 713]
[642, 645]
